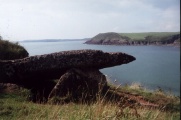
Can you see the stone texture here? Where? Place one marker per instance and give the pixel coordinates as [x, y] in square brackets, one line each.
[52, 66]
[79, 86]
[38, 72]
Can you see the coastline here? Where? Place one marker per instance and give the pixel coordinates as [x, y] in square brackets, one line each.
[112, 38]
[174, 45]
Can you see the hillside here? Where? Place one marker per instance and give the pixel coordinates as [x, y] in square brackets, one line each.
[10, 51]
[108, 38]
[148, 38]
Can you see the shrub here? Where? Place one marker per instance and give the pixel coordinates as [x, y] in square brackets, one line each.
[10, 51]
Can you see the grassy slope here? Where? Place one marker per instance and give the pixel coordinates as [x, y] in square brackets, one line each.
[141, 36]
[15, 106]
[10, 51]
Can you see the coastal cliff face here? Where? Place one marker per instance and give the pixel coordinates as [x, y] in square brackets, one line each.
[118, 39]
[108, 38]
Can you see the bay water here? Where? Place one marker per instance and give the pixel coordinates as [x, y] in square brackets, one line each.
[155, 66]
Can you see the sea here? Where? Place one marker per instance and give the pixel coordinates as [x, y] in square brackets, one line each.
[155, 67]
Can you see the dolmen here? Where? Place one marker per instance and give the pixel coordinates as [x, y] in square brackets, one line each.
[67, 75]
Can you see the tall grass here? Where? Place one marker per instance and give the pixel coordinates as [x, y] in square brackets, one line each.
[14, 109]
[15, 106]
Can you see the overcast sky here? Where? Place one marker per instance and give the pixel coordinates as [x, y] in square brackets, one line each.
[62, 19]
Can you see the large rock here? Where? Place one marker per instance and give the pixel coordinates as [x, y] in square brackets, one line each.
[38, 72]
[79, 86]
[52, 66]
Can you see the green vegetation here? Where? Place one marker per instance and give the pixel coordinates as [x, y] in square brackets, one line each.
[14, 103]
[10, 51]
[143, 35]
[159, 97]
[15, 106]
[147, 38]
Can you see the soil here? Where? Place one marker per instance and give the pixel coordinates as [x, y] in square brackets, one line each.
[140, 100]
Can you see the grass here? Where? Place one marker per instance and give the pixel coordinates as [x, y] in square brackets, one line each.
[141, 36]
[15, 106]
[158, 96]
[10, 51]
[71, 111]
[16, 109]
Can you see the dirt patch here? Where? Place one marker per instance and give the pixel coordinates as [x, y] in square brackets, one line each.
[139, 99]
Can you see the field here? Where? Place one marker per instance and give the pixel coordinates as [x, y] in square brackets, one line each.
[15, 105]
[141, 36]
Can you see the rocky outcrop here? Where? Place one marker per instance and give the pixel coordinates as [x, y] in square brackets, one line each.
[9, 88]
[117, 39]
[51, 66]
[177, 42]
[38, 72]
[108, 38]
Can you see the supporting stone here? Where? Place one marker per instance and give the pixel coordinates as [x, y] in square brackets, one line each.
[79, 86]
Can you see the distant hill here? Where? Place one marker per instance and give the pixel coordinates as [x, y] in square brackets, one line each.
[147, 38]
[55, 40]
[108, 38]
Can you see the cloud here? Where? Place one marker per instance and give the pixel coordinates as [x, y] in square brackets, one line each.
[60, 19]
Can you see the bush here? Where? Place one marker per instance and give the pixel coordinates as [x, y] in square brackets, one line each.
[10, 51]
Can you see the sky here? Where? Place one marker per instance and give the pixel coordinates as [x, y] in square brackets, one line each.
[78, 19]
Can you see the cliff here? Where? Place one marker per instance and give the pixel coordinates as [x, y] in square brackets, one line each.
[108, 38]
[112, 38]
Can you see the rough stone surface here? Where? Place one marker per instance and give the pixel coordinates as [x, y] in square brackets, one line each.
[9, 88]
[52, 66]
[38, 72]
[79, 85]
